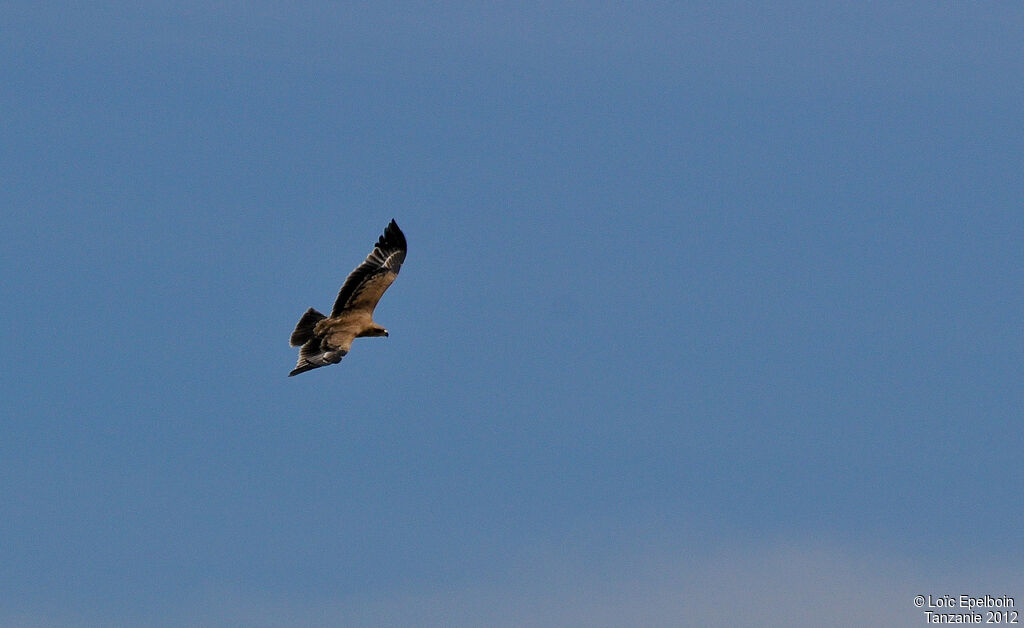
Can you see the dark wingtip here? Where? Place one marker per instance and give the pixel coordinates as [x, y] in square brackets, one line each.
[301, 369]
[393, 237]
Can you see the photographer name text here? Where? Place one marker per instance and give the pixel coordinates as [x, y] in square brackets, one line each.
[980, 609]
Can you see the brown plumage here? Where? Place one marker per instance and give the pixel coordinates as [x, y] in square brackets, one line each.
[326, 339]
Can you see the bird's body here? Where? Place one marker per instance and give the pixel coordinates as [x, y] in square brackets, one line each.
[326, 339]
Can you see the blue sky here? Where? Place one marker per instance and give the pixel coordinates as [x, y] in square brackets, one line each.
[708, 308]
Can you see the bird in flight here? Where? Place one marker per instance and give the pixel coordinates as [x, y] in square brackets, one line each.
[326, 339]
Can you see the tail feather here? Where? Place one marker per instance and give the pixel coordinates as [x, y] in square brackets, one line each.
[304, 329]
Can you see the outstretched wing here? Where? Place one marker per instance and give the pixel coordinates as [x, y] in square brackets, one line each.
[313, 355]
[367, 283]
[320, 351]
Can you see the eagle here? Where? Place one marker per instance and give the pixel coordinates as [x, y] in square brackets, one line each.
[326, 339]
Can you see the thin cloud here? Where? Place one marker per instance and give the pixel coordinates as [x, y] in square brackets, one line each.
[764, 584]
